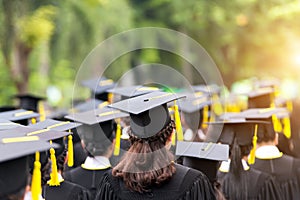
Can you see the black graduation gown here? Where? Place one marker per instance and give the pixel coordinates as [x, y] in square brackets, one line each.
[186, 184]
[286, 171]
[66, 191]
[261, 186]
[88, 179]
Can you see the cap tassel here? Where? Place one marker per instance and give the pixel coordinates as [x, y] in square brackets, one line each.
[178, 123]
[42, 111]
[54, 174]
[217, 106]
[173, 138]
[276, 123]
[287, 127]
[110, 97]
[289, 105]
[118, 140]
[70, 151]
[205, 117]
[36, 188]
[33, 120]
[251, 159]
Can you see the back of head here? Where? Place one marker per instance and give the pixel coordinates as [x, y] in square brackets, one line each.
[265, 133]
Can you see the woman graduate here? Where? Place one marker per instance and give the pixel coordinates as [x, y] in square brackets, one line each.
[147, 170]
[238, 180]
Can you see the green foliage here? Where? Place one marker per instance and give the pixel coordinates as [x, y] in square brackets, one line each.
[37, 27]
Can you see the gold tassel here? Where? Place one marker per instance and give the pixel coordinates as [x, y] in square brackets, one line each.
[289, 105]
[287, 127]
[178, 123]
[33, 120]
[205, 117]
[173, 138]
[42, 111]
[36, 182]
[118, 140]
[54, 174]
[251, 160]
[110, 97]
[217, 106]
[276, 123]
[70, 151]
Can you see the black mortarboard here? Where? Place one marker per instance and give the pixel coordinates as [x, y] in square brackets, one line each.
[260, 98]
[19, 116]
[132, 91]
[148, 113]
[226, 132]
[6, 124]
[207, 89]
[264, 114]
[202, 156]
[55, 125]
[14, 169]
[98, 127]
[29, 101]
[43, 134]
[99, 87]
[90, 104]
[191, 110]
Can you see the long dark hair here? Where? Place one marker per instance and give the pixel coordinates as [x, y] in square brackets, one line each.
[235, 185]
[147, 161]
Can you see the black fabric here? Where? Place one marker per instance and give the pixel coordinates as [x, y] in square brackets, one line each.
[260, 186]
[285, 170]
[186, 184]
[66, 191]
[88, 179]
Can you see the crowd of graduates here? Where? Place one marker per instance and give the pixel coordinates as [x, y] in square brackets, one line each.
[146, 142]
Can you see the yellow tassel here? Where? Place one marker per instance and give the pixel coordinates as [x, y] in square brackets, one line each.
[287, 127]
[36, 182]
[118, 140]
[178, 123]
[33, 120]
[289, 105]
[251, 160]
[205, 117]
[42, 111]
[70, 151]
[276, 123]
[216, 106]
[110, 97]
[173, 138]
[54, 174]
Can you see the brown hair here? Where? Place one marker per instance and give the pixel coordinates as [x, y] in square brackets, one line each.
[147, 161]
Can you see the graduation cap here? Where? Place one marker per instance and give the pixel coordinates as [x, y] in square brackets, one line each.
[132, 91]
[99, 87]
[202, 156]
[59, 126]
[7, 108]
[29, 101]
[90, 104]
[148, 113]
[14, 169]
[209, 89]
[98, 128]
[193, 110]
[20, 116]
[6, 124]
[260, 98]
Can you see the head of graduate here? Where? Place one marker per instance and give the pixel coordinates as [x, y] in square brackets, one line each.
[148, 161]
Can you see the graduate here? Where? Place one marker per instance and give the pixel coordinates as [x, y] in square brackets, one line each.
[205, 157]
[55, 187]
[14, 168]
[238, 180]
[97, 134]
[147, 170]
[269, 159]
[194, 111]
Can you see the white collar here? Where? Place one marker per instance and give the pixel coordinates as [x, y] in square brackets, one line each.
[225, 165]
[96, 163]
[268, 152]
